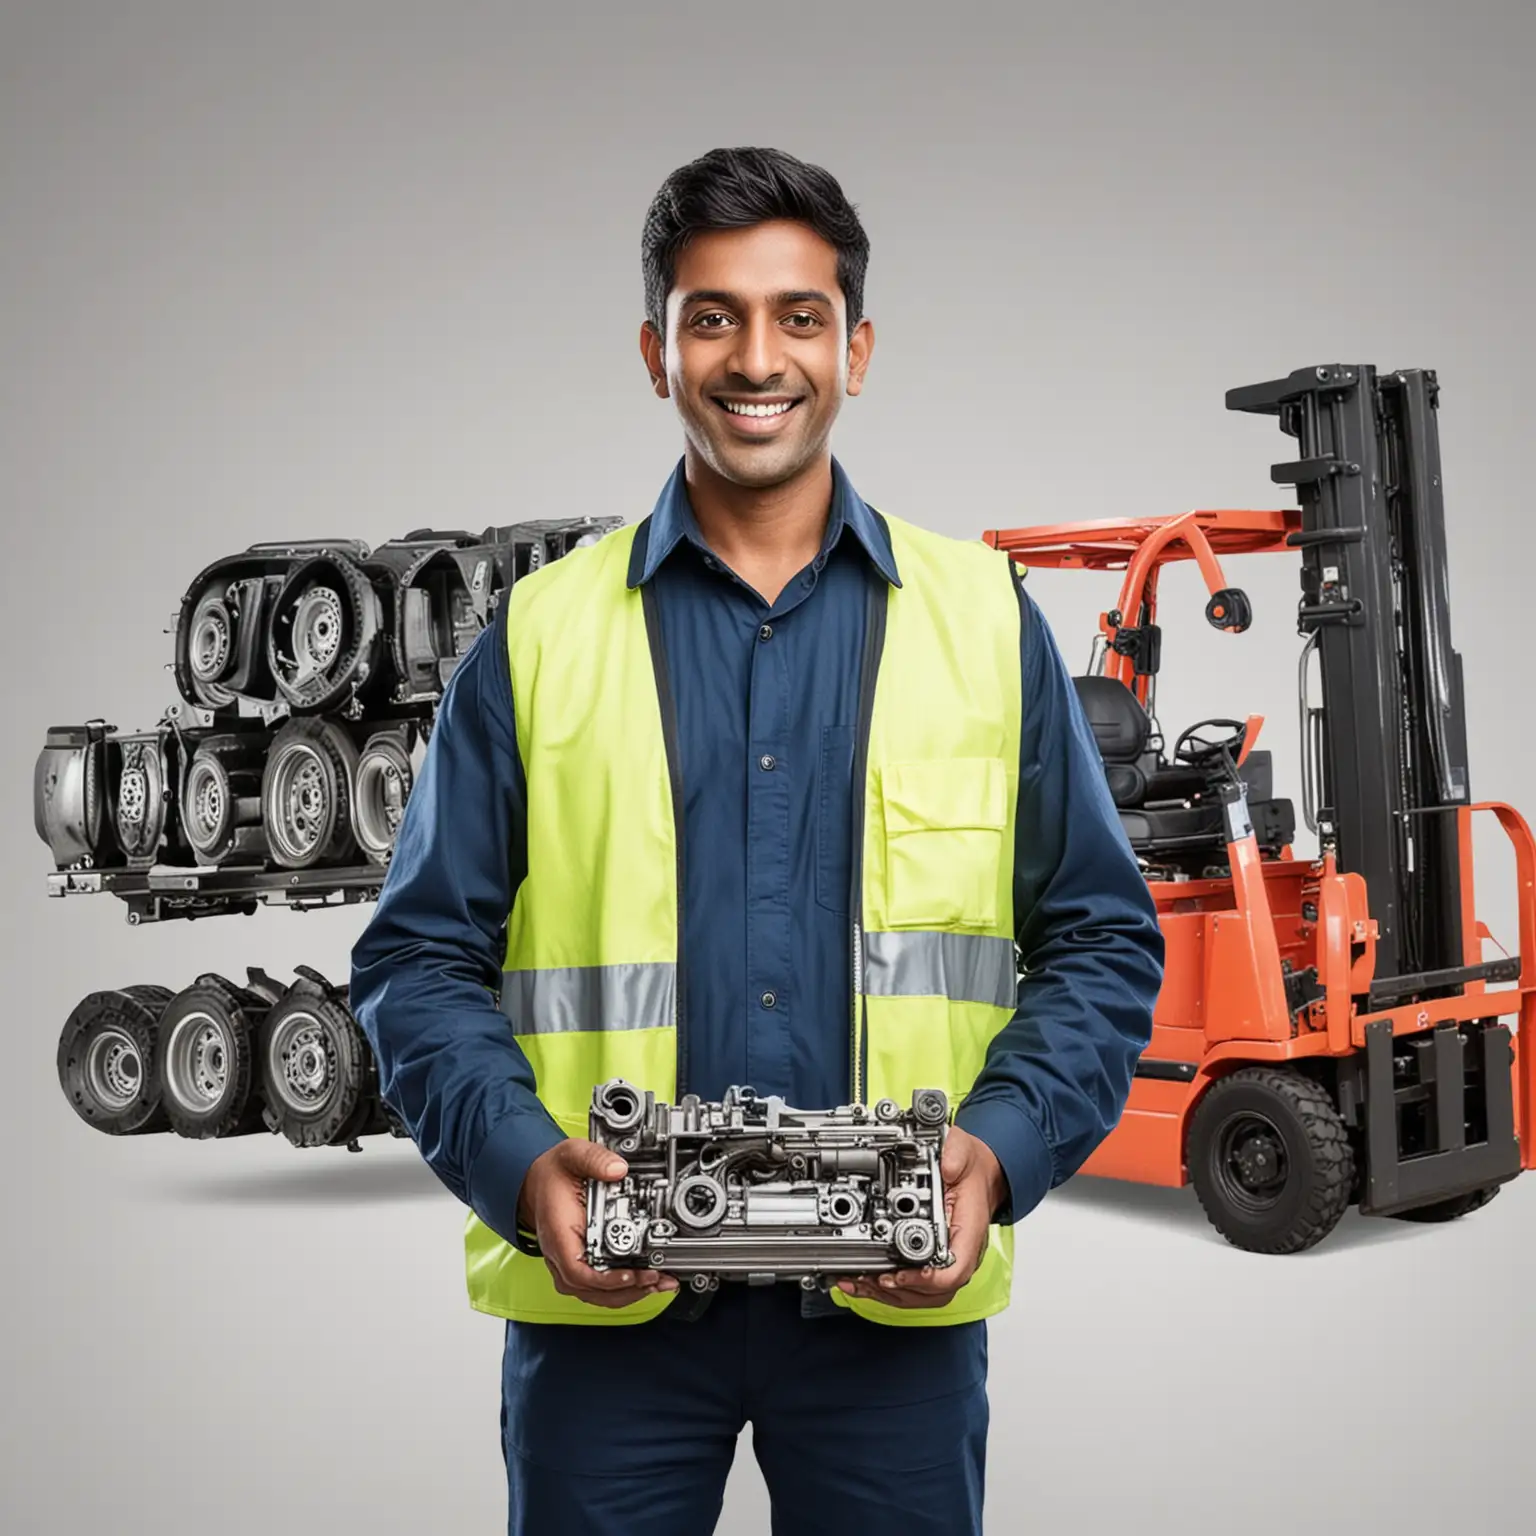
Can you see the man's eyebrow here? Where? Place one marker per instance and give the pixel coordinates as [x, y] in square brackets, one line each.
[792, 296]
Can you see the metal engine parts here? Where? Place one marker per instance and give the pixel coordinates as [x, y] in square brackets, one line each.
[750, 1189]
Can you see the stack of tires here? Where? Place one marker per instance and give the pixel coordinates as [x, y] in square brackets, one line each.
[217, 1060]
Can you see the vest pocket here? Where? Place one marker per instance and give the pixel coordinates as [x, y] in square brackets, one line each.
[945, 821]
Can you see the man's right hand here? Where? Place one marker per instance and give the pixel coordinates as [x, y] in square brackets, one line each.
[553, 1205]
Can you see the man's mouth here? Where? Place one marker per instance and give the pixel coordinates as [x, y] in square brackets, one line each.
[756, 415]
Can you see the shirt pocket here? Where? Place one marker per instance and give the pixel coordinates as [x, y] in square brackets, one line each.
[834, 819]
[944, 821]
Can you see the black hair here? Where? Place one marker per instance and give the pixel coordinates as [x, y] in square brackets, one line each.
[734, 188]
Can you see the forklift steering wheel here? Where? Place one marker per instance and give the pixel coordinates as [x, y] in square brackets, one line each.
[1198, 752]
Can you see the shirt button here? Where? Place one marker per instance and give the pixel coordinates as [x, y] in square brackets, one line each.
[766, 632]
[767, 762]
[769, 999]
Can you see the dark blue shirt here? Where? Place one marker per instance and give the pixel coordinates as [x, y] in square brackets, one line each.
[766, 698]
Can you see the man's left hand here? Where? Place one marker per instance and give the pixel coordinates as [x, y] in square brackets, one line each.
[974, 1187]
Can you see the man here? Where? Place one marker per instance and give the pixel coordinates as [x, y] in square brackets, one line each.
[763, 789]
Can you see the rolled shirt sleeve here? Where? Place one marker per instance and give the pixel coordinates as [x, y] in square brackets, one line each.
[426, 971]
[1056, 1078]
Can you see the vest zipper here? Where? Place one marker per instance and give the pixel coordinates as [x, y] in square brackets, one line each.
[675, 773]
[869, 671]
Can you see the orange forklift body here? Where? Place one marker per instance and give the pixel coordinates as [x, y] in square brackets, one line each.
[1234, 938]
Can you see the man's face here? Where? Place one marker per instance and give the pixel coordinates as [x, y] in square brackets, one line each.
[756, 354]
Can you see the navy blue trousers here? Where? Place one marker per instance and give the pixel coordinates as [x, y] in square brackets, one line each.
[631, 1430]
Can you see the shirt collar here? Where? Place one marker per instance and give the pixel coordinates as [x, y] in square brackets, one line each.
[672, 521]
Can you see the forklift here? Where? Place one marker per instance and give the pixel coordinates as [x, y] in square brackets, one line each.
[1329, 1031]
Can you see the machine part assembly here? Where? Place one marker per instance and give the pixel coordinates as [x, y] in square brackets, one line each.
[289, 656]
[749, 1189]
[318, 1076]
[107, 1060]
[207, 1058]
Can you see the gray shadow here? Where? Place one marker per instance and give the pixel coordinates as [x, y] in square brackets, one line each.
[342, 1179]
[1157, 1205]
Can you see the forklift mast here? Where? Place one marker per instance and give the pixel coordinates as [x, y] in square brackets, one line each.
[1385, 757]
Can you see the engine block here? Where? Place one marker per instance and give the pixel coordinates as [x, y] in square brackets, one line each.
[750, 1189]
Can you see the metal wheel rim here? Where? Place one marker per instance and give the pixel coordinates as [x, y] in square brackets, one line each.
[317, 631]
[207, 804]
[114, 1069]
[1251, 1162]
[301, 808]
[381, 795]
[209, 647]
[197, 1061]
[302, 1059]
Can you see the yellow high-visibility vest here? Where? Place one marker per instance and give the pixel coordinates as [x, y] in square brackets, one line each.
[590, 983]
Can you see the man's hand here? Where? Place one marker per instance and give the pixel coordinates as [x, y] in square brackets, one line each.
[553, 1204]
[974, 1187]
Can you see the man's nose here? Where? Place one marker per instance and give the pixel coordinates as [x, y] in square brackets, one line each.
[758, 354]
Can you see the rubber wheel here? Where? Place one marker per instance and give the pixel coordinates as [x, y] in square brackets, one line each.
[207, 1060]
[107, 1060]
[1451, 1207]
[314, 1065]
[306, 794]
[1270, 1160]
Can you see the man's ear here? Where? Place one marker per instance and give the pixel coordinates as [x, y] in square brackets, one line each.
[860, 345]
[654, 353]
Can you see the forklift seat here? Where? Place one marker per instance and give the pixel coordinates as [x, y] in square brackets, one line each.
[1150, 794]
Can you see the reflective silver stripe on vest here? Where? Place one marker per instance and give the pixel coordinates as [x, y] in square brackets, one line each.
[963, 967]
[641, 995]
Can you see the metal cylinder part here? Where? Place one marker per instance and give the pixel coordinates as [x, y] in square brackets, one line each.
[864, 1160]
[778, 1205]
[698, 1202]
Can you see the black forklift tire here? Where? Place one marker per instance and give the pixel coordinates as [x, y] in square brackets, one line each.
[107, 1060]
[1271, 1161]
[207, 1060]
[1451, 1207]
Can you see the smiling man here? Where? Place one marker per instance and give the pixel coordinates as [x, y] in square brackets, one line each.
[761, 789]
